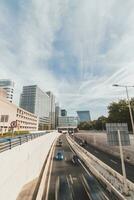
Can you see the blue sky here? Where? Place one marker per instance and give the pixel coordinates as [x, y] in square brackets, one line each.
[77, 49]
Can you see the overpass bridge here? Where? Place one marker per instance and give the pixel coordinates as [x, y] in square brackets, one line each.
[33, 165]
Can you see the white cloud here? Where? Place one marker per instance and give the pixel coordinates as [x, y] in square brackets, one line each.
[99, 34]
[25, 52]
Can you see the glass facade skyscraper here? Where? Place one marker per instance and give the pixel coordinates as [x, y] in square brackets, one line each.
[67, 122]
[83, 115]
[63, 112]
[52, 109]
[57, 114]
[34, 100]
[8, 85]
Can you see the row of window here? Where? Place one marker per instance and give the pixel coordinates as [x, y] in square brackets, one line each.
[27, 127]
[5, 118]
[30, 119]
[22, 127]
[19, 111]
[23, 122]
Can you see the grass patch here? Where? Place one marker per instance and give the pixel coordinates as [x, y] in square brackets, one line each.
[16, 133]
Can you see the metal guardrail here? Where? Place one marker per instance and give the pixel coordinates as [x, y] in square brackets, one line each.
[9, 143]
[104, 173]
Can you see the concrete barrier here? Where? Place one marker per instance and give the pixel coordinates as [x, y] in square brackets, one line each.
[99, 140]
[22, 164]
[112, 179]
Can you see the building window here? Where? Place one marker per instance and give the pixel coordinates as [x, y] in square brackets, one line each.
[4, 118]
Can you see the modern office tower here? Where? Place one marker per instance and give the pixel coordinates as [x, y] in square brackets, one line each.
[52, 109]
[67, 122]
[34, 100]
[63, 112]
[83, 115]
[57, 114]
[8, 85]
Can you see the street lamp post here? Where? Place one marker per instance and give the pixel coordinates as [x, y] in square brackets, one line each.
[129, 105]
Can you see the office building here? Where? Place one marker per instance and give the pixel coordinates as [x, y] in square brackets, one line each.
[63, 112]
[9, 112]
[67, 122]
[52, 109]
[57, 114]
[8, 85]
[84, 116]
[34, 100]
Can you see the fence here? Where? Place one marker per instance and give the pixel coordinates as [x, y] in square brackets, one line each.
[9, 143]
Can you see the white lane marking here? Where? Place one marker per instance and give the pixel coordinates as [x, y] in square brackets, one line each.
[113, 161]
[57, 187]
[65, 158]
[90, 175]
[71, 179]
[105, 196]
[85, 168]
[71, 189]
[86, 186]
[49, 176]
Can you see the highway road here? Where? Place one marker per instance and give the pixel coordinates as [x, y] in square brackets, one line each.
[72, 182]
[110, 160]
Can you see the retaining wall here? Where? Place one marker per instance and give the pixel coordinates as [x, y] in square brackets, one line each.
[22, 164]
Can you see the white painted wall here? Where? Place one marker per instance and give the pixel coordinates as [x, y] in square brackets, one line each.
[22, 164]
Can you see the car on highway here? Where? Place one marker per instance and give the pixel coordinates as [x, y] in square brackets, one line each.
[60, 143]
[70, 132]
[59, 155]
[75, 160]
[83, 143]
[64, 132]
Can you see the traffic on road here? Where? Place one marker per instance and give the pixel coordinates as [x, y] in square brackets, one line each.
[70, 179]
[109, 159]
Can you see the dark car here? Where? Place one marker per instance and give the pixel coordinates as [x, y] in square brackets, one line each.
[83, 143]
[75, 160]
[60, 143]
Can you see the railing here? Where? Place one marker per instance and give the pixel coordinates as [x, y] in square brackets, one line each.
[112, 179]
[9, 143]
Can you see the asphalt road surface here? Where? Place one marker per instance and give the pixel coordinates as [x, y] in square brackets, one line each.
[73, 182]
[110, 160]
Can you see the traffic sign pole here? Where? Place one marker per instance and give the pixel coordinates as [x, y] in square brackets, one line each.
[123, 164]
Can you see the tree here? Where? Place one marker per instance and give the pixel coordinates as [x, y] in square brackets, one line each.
[99, 124]
[85, 125]
[119, 112]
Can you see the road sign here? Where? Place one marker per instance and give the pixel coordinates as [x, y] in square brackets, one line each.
[117, 135]
[13, 124]
[112, 134]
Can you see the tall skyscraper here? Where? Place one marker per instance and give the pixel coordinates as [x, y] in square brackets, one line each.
[83, 115]
[68, 122]
[8, 85]
[57, 114]
[63, 113]
[52, 109]
[34, 100]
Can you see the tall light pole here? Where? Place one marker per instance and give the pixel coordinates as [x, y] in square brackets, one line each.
[129, 105]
